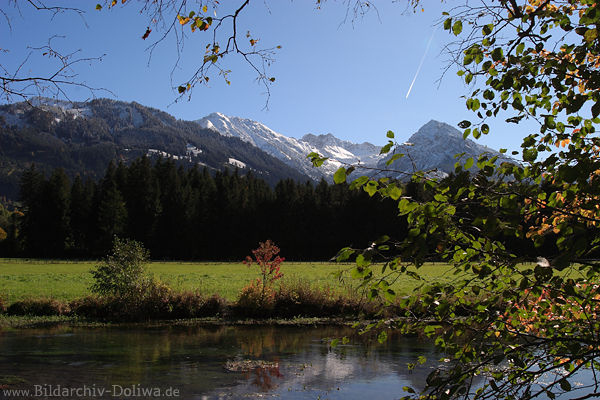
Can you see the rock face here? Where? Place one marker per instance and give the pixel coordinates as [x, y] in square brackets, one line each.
[432, 149]
[293, 151]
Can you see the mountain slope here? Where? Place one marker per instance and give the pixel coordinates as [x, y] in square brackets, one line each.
[293, 151]
[83, 137]
[432, 149]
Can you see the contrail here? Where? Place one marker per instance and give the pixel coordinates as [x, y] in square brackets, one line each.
[421, 63]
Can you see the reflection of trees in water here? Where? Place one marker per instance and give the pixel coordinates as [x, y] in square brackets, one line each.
[194, 357]
[263, 377]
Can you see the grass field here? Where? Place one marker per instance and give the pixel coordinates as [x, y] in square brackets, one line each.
[64, 280]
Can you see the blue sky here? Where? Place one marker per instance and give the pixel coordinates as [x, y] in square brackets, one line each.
[348, 78]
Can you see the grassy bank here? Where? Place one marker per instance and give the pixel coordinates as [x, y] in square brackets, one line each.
[67, 281]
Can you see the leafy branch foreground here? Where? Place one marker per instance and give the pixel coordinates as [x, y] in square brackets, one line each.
[536, 332]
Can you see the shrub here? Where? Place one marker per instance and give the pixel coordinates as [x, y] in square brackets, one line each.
[186, 304]
[213, 306]
[122, 274]
[38, 307]
[256, 300]
[299, 298]
[267, 258]
[154, 301]
[195, 305]
[93, 307]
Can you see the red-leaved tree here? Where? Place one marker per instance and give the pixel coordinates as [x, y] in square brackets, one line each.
[267, 258]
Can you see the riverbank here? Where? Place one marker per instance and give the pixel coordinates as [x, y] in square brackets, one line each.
[11, 322]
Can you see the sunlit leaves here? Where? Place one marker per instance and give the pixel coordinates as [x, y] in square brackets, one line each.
[340, 175]
[316, 159]
[457, 28]
[195, 21]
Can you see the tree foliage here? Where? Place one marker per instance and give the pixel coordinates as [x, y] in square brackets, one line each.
[266, 257]
[508, 329]
[122, 273]
[187, 213]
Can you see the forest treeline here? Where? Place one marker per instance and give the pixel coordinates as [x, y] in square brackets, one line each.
[189, 214]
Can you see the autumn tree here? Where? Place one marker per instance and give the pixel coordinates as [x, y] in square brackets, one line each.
[508, 330]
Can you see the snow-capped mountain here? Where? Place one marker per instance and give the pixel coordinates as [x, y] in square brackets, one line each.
[432, 149]
[83, 137]
[293, 151]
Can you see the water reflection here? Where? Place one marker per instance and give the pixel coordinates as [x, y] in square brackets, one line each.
[288, 362]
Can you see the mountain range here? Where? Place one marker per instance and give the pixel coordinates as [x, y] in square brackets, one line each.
[83, 138]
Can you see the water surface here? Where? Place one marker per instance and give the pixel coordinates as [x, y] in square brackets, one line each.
[218, 362]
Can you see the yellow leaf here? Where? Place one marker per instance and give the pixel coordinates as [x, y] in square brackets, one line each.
[497, 333]
[114, 2]
[204, 9]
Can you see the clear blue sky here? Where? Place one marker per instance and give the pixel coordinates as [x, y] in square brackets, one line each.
[347, 78]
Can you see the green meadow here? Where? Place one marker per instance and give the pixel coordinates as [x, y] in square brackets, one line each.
[66, 280]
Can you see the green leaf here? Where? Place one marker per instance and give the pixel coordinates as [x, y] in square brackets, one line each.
[487, 29]
[394, 192]
[340, 175]
[394, 158]
[363, 261]
[448, 24]
[497, 54]
[457, 28]
[382, 337]
[590, 35]
[358, 182]
[98, 7]
[316, 159]
[469, 163]
[344, 254]
[530, 155]
[371, 188]
[386, 149]
[390, 134]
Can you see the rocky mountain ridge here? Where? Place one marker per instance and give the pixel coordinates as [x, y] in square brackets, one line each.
[293, 151]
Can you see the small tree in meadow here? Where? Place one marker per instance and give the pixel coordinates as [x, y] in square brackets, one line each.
[122, 273]
[267, 258]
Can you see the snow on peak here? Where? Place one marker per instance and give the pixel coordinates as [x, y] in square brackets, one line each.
[294, 151]
[431, 148]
